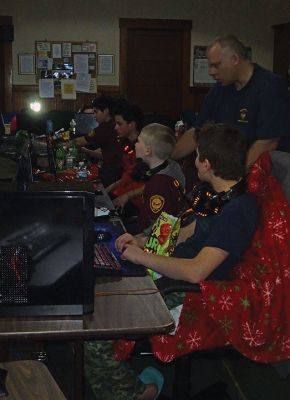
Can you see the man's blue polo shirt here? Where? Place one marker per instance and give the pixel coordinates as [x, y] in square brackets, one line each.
[261, 109]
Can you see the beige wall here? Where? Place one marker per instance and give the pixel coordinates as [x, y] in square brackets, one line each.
[97, 20]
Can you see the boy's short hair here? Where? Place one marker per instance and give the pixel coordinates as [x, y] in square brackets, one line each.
[130, 112]
[103, 102]
[225, 147]
[85, 107]
[161, 138]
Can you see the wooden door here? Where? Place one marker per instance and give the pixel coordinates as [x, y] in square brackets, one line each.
[281, 59]
[155, 64]
[5, 68]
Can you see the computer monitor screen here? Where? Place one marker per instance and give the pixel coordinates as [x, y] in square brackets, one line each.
[31, 122]
[46, 253]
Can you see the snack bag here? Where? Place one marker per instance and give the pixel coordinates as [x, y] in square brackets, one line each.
[162, 238]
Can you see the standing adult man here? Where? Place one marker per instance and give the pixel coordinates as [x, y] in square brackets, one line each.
[245, 95]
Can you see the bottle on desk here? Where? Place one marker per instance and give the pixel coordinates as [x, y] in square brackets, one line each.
[82, 172]
[70, 161]
[57, 136]
[74, 150]
[60, 157]
[72, 128]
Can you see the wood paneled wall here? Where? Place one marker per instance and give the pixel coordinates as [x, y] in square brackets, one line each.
[22, 95]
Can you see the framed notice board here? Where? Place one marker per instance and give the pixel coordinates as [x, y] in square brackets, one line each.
[200, 67]
[59, 63]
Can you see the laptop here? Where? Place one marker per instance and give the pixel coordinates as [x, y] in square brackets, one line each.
[107, 261]
[102, 201]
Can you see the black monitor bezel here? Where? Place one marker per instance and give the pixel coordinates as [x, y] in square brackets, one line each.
[87, 306]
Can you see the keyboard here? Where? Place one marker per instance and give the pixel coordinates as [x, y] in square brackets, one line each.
[105, 259]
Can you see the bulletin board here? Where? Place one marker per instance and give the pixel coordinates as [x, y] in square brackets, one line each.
[60, 65]
[200, 67]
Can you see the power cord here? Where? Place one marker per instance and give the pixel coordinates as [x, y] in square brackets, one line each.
[135, 292]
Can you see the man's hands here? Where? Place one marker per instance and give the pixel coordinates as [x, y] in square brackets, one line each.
[92, 153]
[124, 240]
[120, 201]
[129, 247]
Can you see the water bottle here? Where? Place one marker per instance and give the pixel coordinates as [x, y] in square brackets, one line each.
[74, 151]
[72, 128]
[82, 173]
[69, 159]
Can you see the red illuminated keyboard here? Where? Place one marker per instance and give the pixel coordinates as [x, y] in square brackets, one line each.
[104, 258]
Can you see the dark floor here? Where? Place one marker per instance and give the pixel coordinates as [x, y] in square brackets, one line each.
[245, 380]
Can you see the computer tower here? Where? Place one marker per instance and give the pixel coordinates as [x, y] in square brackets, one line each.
[46, 253]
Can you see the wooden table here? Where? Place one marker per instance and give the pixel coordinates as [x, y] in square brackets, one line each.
[140, 312]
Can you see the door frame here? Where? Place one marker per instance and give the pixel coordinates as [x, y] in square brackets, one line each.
[6, 51]
[185, 26]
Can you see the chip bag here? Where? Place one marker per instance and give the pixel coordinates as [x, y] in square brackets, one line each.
[163, 237]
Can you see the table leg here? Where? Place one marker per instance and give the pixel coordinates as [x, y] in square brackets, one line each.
[78, 370]
[4, 352]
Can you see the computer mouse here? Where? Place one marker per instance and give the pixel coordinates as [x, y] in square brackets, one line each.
[102, 236]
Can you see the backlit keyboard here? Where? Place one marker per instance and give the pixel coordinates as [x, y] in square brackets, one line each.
[104, 258]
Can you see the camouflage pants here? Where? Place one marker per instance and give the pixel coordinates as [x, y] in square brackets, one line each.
[111, 379]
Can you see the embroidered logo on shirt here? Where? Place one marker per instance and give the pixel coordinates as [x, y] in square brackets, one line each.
[156, 203]
[243, 115]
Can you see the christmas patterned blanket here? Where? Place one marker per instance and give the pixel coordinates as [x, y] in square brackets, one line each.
[252, 311]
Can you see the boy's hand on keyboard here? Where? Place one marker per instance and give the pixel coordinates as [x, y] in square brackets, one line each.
[124, 240]
[134, 254]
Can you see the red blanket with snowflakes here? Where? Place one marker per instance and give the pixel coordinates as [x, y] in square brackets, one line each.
[252, 311]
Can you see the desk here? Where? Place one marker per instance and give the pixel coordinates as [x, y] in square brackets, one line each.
[114, 316]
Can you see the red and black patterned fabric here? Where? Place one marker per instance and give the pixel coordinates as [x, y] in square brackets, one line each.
[252, 311]
[127, 183]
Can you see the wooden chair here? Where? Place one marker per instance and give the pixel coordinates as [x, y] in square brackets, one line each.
[28, 379]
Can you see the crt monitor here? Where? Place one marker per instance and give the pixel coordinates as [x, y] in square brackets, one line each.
[46, 253]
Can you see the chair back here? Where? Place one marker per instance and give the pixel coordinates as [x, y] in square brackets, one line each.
[281, 169]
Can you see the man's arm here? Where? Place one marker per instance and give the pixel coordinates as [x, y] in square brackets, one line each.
[185, 145]
[81, 141]
[186, 231]
[122, 200]
[192, 270]
[97, 153]
[259, 147]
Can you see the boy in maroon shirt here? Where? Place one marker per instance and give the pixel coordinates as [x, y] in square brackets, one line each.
[104, 137]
